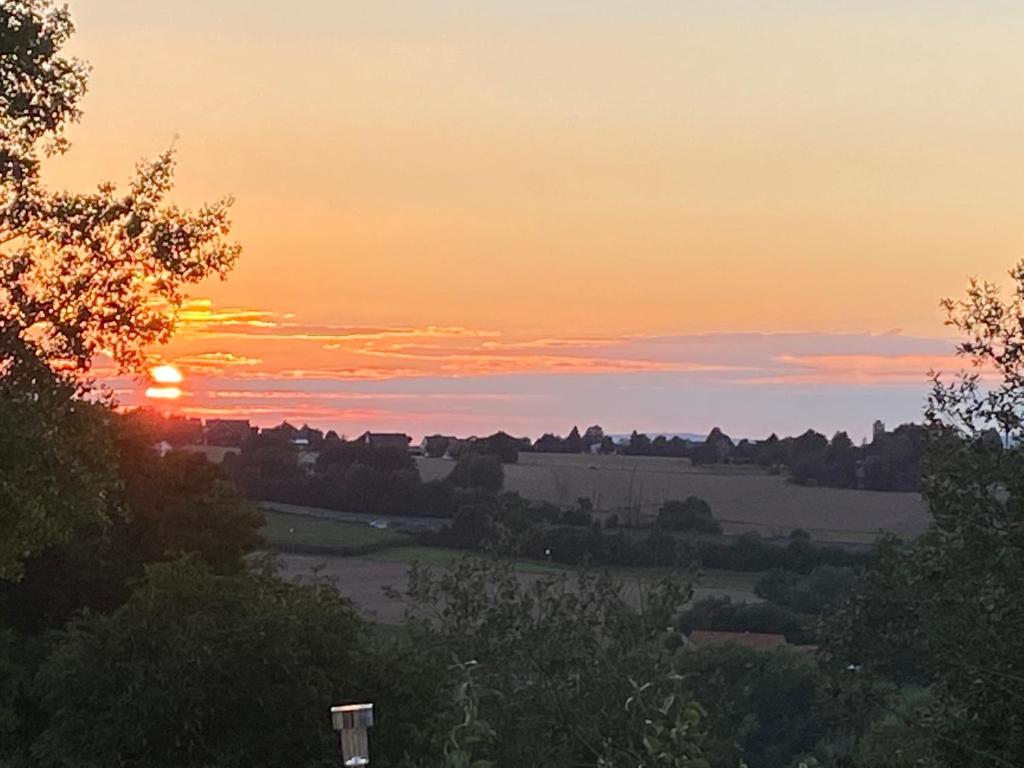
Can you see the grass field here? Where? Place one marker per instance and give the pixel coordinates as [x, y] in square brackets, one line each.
[742, 498]
[435, 556]
[363, 579]
[363, 561]
[299, 532]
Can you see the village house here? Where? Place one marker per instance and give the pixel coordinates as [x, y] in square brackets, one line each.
[385, 440]
[232, 433]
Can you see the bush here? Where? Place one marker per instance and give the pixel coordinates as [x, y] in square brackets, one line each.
[197, 670]
[693, 514]
[478, 471]
[500, 445]
[823, 590]
[723, 615]
[576, 517]
[762, 708]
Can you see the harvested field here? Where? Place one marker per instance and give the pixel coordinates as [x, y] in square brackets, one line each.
[363, 579]
[742, 498]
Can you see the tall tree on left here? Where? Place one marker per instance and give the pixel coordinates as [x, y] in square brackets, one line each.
[81, 275]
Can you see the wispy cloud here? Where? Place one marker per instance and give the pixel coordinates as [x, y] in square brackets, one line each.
[274, 364]
[214, 362]
[198, 315]
[861, 369]
[253, 343]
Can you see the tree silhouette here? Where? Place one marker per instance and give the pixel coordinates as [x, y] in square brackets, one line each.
[80, 275]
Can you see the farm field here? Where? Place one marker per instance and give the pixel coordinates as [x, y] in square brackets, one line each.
[363, 579]
[397, 522]
[742, 498]
[285, 531]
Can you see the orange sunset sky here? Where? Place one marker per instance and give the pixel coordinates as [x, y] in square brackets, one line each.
[465, 215]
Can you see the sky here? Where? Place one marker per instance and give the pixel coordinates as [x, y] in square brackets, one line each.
[466, 215]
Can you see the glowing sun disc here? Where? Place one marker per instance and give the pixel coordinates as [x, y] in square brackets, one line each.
[163, 393]
[166, 374]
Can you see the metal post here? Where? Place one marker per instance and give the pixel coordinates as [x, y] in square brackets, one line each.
[351, 722]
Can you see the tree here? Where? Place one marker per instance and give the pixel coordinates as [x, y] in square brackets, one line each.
[639, 444]
[338, 456]
[80, 274]
[41, 86]
[942, 612]
[177, 431]
[761, 708]
[555, 658]
[481, 471]
[436, 446]
[101, 271]
[807, 457]
[160, 509]
[502, 445]
[824, 589]
[894, 459]
[549, 443]
[581, 514]
[722, 615]
[198, 670]
[180, 504]
[594, 436]
[693, 514]
[720, 443]
[57, 457]
[14, 678]
[771, 452]
[573, 442]
[841, 462]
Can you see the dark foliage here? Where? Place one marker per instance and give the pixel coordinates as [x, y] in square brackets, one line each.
[478, 471]
[692, 514]
[762, 708]
[723, 615]
[198, 670]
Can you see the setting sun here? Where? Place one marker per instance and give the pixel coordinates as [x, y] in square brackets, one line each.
[166, 374]
[163, 393]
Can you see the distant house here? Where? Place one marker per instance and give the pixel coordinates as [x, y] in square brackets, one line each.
[313, 437]
[385, 440]
[437, 445]
[285, 430]
[304, 437]
[231, 433]
[757, 641]
[306, 461]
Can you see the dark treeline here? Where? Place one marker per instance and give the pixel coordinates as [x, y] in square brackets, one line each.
[794, 604]
[891, 461]
[511, 525]
[354, 476]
